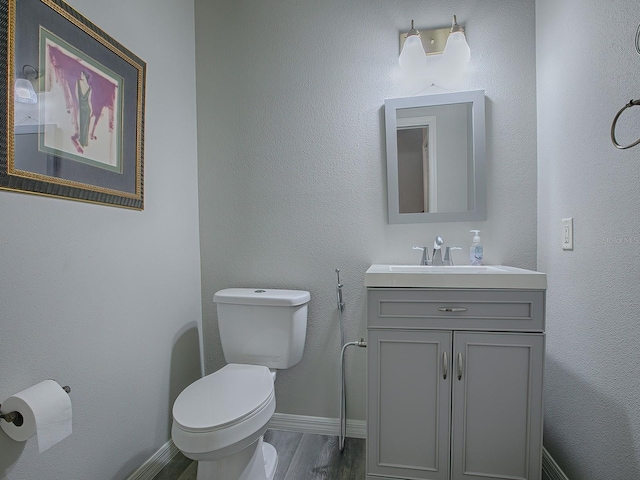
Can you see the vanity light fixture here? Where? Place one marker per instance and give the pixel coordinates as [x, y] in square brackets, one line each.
[23, 89]
[450, 42]
[457, 49]
[412, 54]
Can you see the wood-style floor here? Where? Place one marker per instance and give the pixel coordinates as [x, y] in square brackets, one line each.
[301, 456]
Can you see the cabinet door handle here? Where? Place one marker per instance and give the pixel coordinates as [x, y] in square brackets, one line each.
[453, 309]
[459, 366]
[445, 365]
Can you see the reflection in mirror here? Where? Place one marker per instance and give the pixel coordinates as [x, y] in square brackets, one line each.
[436, 158]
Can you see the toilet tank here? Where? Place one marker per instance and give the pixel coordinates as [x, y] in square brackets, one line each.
[262, 326]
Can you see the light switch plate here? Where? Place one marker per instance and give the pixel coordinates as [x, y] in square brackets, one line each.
[567, 233]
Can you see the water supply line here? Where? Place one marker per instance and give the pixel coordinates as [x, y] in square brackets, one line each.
[360, 343]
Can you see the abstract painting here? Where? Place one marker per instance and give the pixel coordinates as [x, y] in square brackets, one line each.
[82, 137]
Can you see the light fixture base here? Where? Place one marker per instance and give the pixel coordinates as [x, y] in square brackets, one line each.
[433, 41]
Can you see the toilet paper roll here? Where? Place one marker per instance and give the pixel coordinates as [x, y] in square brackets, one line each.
[46, 410]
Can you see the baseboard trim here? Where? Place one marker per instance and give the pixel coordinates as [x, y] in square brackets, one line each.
[279, 421]
[550, 468]
[157, 462]
[316, 425]
[305, 424]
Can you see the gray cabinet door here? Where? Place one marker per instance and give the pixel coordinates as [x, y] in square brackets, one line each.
[409, 395]
[497, 406]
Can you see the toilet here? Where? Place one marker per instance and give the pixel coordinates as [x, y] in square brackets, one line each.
[220, 419]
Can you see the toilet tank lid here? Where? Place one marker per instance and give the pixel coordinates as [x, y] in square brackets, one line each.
[262, 296]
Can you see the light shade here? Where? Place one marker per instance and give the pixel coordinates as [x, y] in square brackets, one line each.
[412, 56]
[457, 49]
[24, 92]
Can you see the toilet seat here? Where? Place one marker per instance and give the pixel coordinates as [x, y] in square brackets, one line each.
[223, 398]
[223, 411]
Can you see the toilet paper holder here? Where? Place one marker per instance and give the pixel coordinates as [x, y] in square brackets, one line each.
[16, 417]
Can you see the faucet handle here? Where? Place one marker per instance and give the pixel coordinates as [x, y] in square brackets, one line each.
[448, 256]
[425, 255]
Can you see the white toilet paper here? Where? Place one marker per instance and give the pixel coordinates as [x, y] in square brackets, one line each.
[46, 409]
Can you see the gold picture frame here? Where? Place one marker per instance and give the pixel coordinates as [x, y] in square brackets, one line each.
[74, 112]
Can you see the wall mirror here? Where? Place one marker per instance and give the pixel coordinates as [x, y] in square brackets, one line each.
[436, 157]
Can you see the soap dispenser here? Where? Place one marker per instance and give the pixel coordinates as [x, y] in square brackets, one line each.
[475, 252]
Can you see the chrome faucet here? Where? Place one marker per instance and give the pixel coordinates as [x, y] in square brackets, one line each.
[437, 251]
[436, 258]
[425, 255]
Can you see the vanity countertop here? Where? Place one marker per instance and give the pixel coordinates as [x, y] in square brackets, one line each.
[459, 276]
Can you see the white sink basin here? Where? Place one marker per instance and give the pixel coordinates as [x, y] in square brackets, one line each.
[431, 269]
[459, 276]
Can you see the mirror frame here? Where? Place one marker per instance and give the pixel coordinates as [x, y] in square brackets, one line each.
[391, 106]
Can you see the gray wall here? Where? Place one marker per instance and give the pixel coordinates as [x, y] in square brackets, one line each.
[411, 191]
[454, 142]
[452, 154]
[291, 159]
[104, 299]
[587, 69]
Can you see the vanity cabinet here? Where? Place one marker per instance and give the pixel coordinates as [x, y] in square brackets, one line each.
[454, 384]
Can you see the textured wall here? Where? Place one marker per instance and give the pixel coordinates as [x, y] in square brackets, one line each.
[292, 167]
[104, 299]
[587, 69]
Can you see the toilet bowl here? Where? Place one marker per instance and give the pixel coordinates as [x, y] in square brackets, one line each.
[220, 419]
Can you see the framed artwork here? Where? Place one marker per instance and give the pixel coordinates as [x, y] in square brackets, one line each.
[73, 120]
